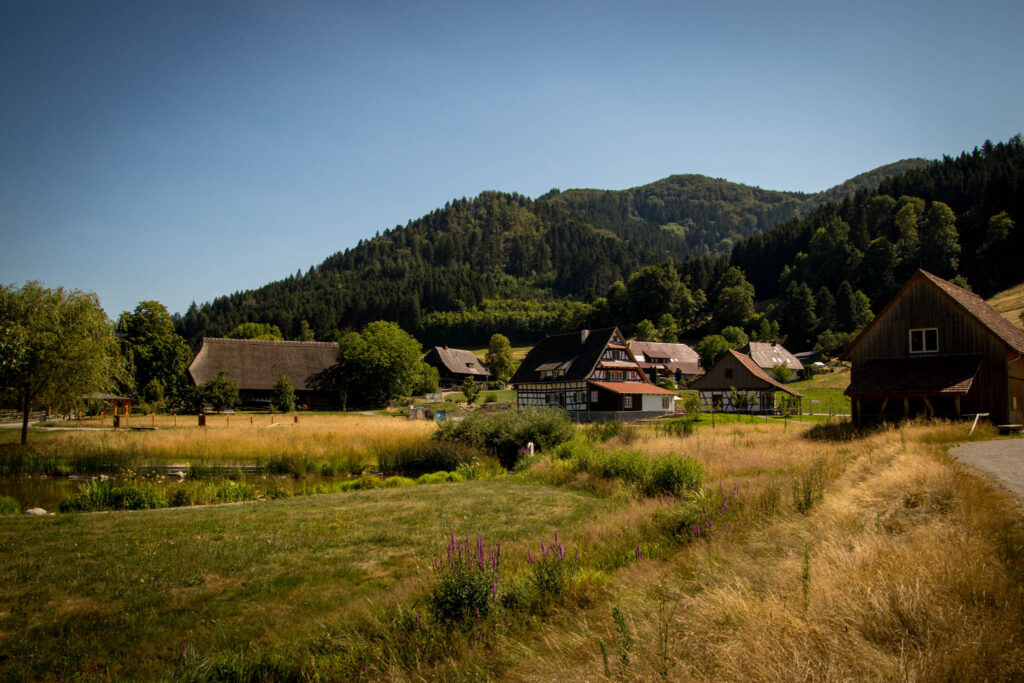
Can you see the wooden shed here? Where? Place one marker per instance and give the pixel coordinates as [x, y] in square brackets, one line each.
[940, 351]
[737, 372]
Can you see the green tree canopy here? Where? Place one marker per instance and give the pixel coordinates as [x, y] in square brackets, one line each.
[220, 392]
[499, 358]
[385, 362]
[940, 242]
[734, 300]
[256, 331]
[797, 318]
[55, 345]
[282, 396]
[645, 331]
[156, 355]
[710, 349]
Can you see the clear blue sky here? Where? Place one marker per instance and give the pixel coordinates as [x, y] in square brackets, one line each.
[178, 151]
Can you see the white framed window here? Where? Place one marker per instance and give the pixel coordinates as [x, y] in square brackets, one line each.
[627, 401]
[665, 402]
[924, 340]
[581, 397]
[593, 396]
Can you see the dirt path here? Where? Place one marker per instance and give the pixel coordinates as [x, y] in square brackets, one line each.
[1003, 458]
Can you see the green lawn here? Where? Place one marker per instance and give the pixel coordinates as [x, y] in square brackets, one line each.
[122, 594]
[827, 389]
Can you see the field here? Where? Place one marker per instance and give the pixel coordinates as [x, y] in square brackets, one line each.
[813, 552]
[1010, 303]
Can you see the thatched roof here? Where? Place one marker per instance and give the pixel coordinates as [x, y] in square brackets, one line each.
[256, 364]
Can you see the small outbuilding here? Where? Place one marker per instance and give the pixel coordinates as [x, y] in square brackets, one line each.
[256, 365]
[736, 375]
[937, 350]
[454, 366]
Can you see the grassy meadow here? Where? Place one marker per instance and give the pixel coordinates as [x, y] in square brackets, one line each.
[807, 551]
[1010, 303]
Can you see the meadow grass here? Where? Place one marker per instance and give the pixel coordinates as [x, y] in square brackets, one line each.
[810, 552]
[318, 443]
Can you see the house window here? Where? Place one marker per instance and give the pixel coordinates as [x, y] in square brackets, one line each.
[627, 402]
[728, 373]
[581, 397]
[665, 402]
[924, 340]
[593, 397]
[554, 399]
[615, 375]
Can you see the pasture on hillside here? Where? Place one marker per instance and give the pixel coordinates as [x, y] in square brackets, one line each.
[746, 552]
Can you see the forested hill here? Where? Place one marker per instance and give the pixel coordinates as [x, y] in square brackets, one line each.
[960, 216]
[509, 263]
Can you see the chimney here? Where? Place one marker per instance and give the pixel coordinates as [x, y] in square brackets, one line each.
[583, 336]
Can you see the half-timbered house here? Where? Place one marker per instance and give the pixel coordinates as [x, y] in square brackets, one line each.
[937, 350]
[736, 378]
[592, 375]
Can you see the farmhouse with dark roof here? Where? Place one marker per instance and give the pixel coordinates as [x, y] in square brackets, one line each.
[455, 365]
[256, 365]
[736, 375]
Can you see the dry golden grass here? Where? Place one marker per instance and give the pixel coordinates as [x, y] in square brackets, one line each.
[315, 437]
[1010, 303]
[910, 568]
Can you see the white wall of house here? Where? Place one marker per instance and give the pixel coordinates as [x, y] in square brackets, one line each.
[654, 403]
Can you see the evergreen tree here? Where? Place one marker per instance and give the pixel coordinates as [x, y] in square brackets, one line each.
[940, 245]
[824, 306]
[668, 330]
[798, 321]
[734, 300]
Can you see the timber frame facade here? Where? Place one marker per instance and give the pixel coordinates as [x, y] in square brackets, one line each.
[592, 375]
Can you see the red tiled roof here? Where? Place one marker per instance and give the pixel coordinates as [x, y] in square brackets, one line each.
[631, 387]
[915, 376]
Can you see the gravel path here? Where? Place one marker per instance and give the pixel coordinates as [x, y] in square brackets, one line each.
[1003, 459]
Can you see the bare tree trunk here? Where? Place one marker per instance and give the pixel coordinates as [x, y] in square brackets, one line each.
[26, 407]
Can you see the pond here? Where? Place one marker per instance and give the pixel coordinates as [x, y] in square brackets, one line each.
[46, 491]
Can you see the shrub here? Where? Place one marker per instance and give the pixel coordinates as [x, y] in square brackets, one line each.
[103, 495]
[136, 497]
[92, 495]
[181, 497]
[504, 434]
[651, 475]
[282, 396]
[490, 397]
[9, 506]
[672, 473]
[428, 456]
[467, 581]
[230, 492]
[602, 431]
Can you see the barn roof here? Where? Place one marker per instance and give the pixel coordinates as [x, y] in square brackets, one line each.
[768, 355]
[460, 361]
[915, 376]
[581, 354]
[257, 364]
[969, 302]
[706, 384]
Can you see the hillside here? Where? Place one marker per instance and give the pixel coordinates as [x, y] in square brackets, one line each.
[505, 262]
[1010, 303]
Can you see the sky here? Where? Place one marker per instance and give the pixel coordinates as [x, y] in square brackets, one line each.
[179, 151]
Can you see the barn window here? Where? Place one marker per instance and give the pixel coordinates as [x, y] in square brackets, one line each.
[593, 397]
[627, 401]
[924, 340]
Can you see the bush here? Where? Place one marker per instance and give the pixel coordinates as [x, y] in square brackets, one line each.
[103, 495]
[181, 497]
[504, 434]
[467, 581]
[136, 497]
[428, 456]
[651, 475]
[602, 431]
[9, 506]
[551, 572]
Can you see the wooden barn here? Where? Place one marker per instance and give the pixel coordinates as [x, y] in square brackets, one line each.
[592, 375]
[256, 365]
[455, 365]
[937, 350]
[737, 372]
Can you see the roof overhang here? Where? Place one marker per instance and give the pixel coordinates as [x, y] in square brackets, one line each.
[631, 388]
[915, 376]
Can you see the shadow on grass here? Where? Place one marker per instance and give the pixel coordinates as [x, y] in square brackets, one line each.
[841, 431]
